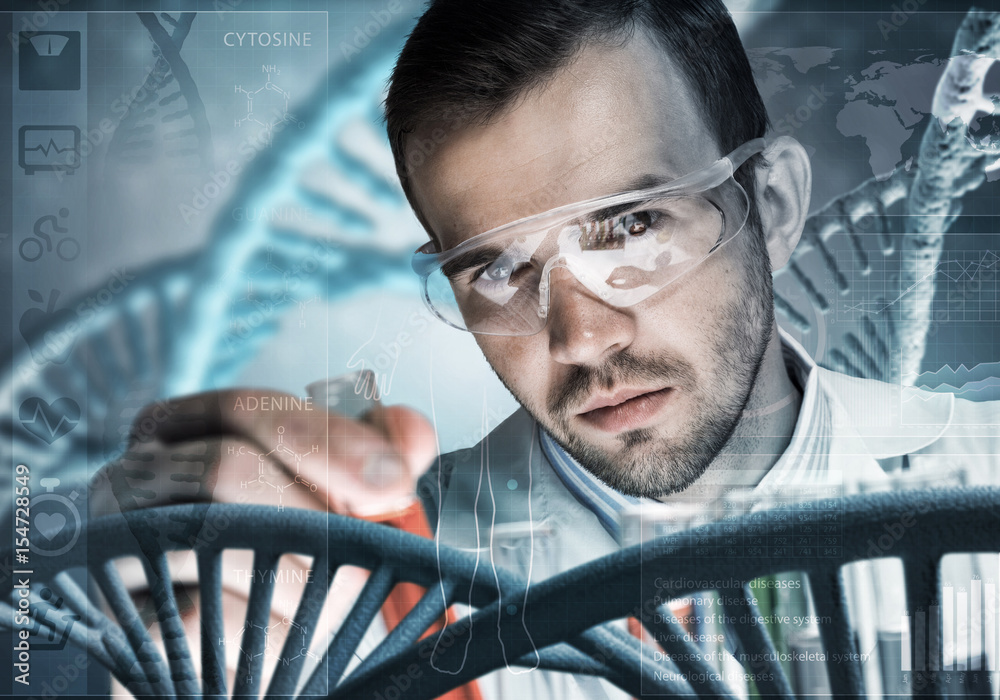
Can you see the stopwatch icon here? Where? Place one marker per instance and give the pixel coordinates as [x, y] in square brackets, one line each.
[55, 520]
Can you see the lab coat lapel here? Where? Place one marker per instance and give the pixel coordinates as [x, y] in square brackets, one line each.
[875, 422]
[504, 501]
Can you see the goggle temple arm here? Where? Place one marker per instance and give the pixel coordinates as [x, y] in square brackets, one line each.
[742, 154]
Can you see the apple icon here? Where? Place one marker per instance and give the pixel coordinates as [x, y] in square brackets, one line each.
[54, 344]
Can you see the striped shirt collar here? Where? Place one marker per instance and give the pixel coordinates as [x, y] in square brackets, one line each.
[804, 459]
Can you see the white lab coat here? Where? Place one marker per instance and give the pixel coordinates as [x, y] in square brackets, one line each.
[875, 425]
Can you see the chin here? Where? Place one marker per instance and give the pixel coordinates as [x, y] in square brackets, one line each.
[639, 463]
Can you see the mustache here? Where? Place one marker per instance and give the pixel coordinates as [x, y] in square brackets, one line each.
[622, 368]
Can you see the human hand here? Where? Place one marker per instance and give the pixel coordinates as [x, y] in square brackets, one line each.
[267, 447]
[225, 447]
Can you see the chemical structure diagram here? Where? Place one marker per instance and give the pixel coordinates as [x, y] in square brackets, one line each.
[269, 650]
[269, 289]
[267, 106]
[267, 475]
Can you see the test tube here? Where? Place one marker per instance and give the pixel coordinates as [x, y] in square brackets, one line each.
[353, 394]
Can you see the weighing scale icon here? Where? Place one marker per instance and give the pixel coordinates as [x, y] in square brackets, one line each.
[49, 61]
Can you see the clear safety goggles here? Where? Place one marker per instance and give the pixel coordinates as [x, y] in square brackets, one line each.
[623, 248]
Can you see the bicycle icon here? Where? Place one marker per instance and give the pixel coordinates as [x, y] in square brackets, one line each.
[31, 249]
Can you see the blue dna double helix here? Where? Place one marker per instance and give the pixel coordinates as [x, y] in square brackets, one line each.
[185, 324]
[912, 210]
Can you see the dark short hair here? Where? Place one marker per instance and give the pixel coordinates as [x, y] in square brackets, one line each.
[466, 61]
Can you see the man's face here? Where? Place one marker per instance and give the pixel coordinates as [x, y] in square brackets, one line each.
[643, 396]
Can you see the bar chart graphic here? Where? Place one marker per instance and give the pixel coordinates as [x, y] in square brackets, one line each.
[959, 634]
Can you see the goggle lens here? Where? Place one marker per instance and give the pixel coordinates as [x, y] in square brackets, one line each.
[500, 287]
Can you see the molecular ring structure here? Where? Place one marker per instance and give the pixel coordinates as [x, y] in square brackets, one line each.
[267, 106]
[266, 472]
[250, 308]
[267, 651]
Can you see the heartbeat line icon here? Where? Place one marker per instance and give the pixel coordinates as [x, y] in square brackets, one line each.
[46, 421]
[38, 148]
[967, 272]
[48, 148]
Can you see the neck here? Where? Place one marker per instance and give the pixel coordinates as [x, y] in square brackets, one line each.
[760, 437]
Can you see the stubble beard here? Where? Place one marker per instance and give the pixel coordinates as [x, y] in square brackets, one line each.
[651, 465]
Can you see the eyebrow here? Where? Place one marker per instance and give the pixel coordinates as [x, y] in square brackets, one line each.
[474, 258]
[643, 182]
[647, 181]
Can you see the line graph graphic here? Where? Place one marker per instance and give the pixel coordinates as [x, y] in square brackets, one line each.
[963, 280]
[979, 382]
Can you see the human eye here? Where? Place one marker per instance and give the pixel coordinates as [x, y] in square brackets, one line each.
[469, 266]
[495, 271]
[660, 219]
[505, 271]
[637, 223]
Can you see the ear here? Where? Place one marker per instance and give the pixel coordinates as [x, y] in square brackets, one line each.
[783, 190]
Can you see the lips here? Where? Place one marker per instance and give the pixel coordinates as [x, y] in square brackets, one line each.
[625, 410]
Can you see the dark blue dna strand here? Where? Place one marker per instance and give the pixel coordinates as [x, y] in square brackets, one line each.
[114, 635]
[168, 110]
[561, 623]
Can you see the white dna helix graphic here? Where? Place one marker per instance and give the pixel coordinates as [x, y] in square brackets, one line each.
[176, 330]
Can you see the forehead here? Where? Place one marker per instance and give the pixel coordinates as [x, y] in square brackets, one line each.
[612, 115]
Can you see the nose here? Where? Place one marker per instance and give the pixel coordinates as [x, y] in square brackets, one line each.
[583, 329]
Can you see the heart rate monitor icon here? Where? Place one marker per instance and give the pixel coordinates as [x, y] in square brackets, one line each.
[49, 422]
[48, 148]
